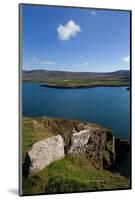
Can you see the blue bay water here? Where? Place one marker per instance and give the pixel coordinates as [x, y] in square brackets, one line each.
[107, 106]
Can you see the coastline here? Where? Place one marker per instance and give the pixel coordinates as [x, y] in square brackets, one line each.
[77, 87]
[81, 87]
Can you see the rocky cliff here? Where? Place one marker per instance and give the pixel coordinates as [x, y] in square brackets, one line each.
[97, 144]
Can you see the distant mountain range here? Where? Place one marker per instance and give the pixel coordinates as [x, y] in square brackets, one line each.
[77, 79]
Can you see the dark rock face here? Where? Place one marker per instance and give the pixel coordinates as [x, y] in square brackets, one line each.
[121, 148]
[26, 166]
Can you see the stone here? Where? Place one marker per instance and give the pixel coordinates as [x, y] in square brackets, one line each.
[78, 140]
[96, 144]
[44, 152]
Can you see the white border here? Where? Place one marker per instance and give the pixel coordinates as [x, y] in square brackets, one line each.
[9, 97]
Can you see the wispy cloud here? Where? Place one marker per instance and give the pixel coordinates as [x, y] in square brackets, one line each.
[82, 57]
[65, 32]
[85, 63]
[49, 62]
[28, 63]
[76, 65]
[36, 60]
[80, 64]
[126, 59]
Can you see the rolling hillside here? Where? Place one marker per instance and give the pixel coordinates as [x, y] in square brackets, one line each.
[77, 79]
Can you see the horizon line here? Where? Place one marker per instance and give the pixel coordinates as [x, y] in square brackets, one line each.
[74, 71]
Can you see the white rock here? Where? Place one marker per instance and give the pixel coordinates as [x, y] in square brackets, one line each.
[46, 151]
[78, 140]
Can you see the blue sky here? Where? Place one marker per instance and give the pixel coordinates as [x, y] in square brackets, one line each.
[70, 39]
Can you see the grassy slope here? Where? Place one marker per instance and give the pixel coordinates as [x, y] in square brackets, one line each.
[32, 133]
[73, 173]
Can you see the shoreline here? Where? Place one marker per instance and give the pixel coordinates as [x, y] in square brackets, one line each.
[76, 87]
[81, 87]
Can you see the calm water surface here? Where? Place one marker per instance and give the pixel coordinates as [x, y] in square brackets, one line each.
[107, 106]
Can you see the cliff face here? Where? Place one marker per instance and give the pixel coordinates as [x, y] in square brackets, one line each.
[91, 141]
[97, 145]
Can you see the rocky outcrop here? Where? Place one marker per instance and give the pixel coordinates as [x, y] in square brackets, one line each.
[46, 151]
[99, 145]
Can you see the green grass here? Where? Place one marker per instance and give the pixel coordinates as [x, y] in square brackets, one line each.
[86, 83]
[32, 133]
[72, 174]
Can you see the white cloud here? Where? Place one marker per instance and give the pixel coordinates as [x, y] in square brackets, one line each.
[77, 65]
[65, 32]
[49, 62]
[126, 59]
[93, 12]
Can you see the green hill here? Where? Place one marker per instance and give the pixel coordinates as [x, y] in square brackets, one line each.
[77, 79]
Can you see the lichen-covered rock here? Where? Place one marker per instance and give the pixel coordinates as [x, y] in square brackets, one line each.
[79, 140]
[96, 144]
[46, 151]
